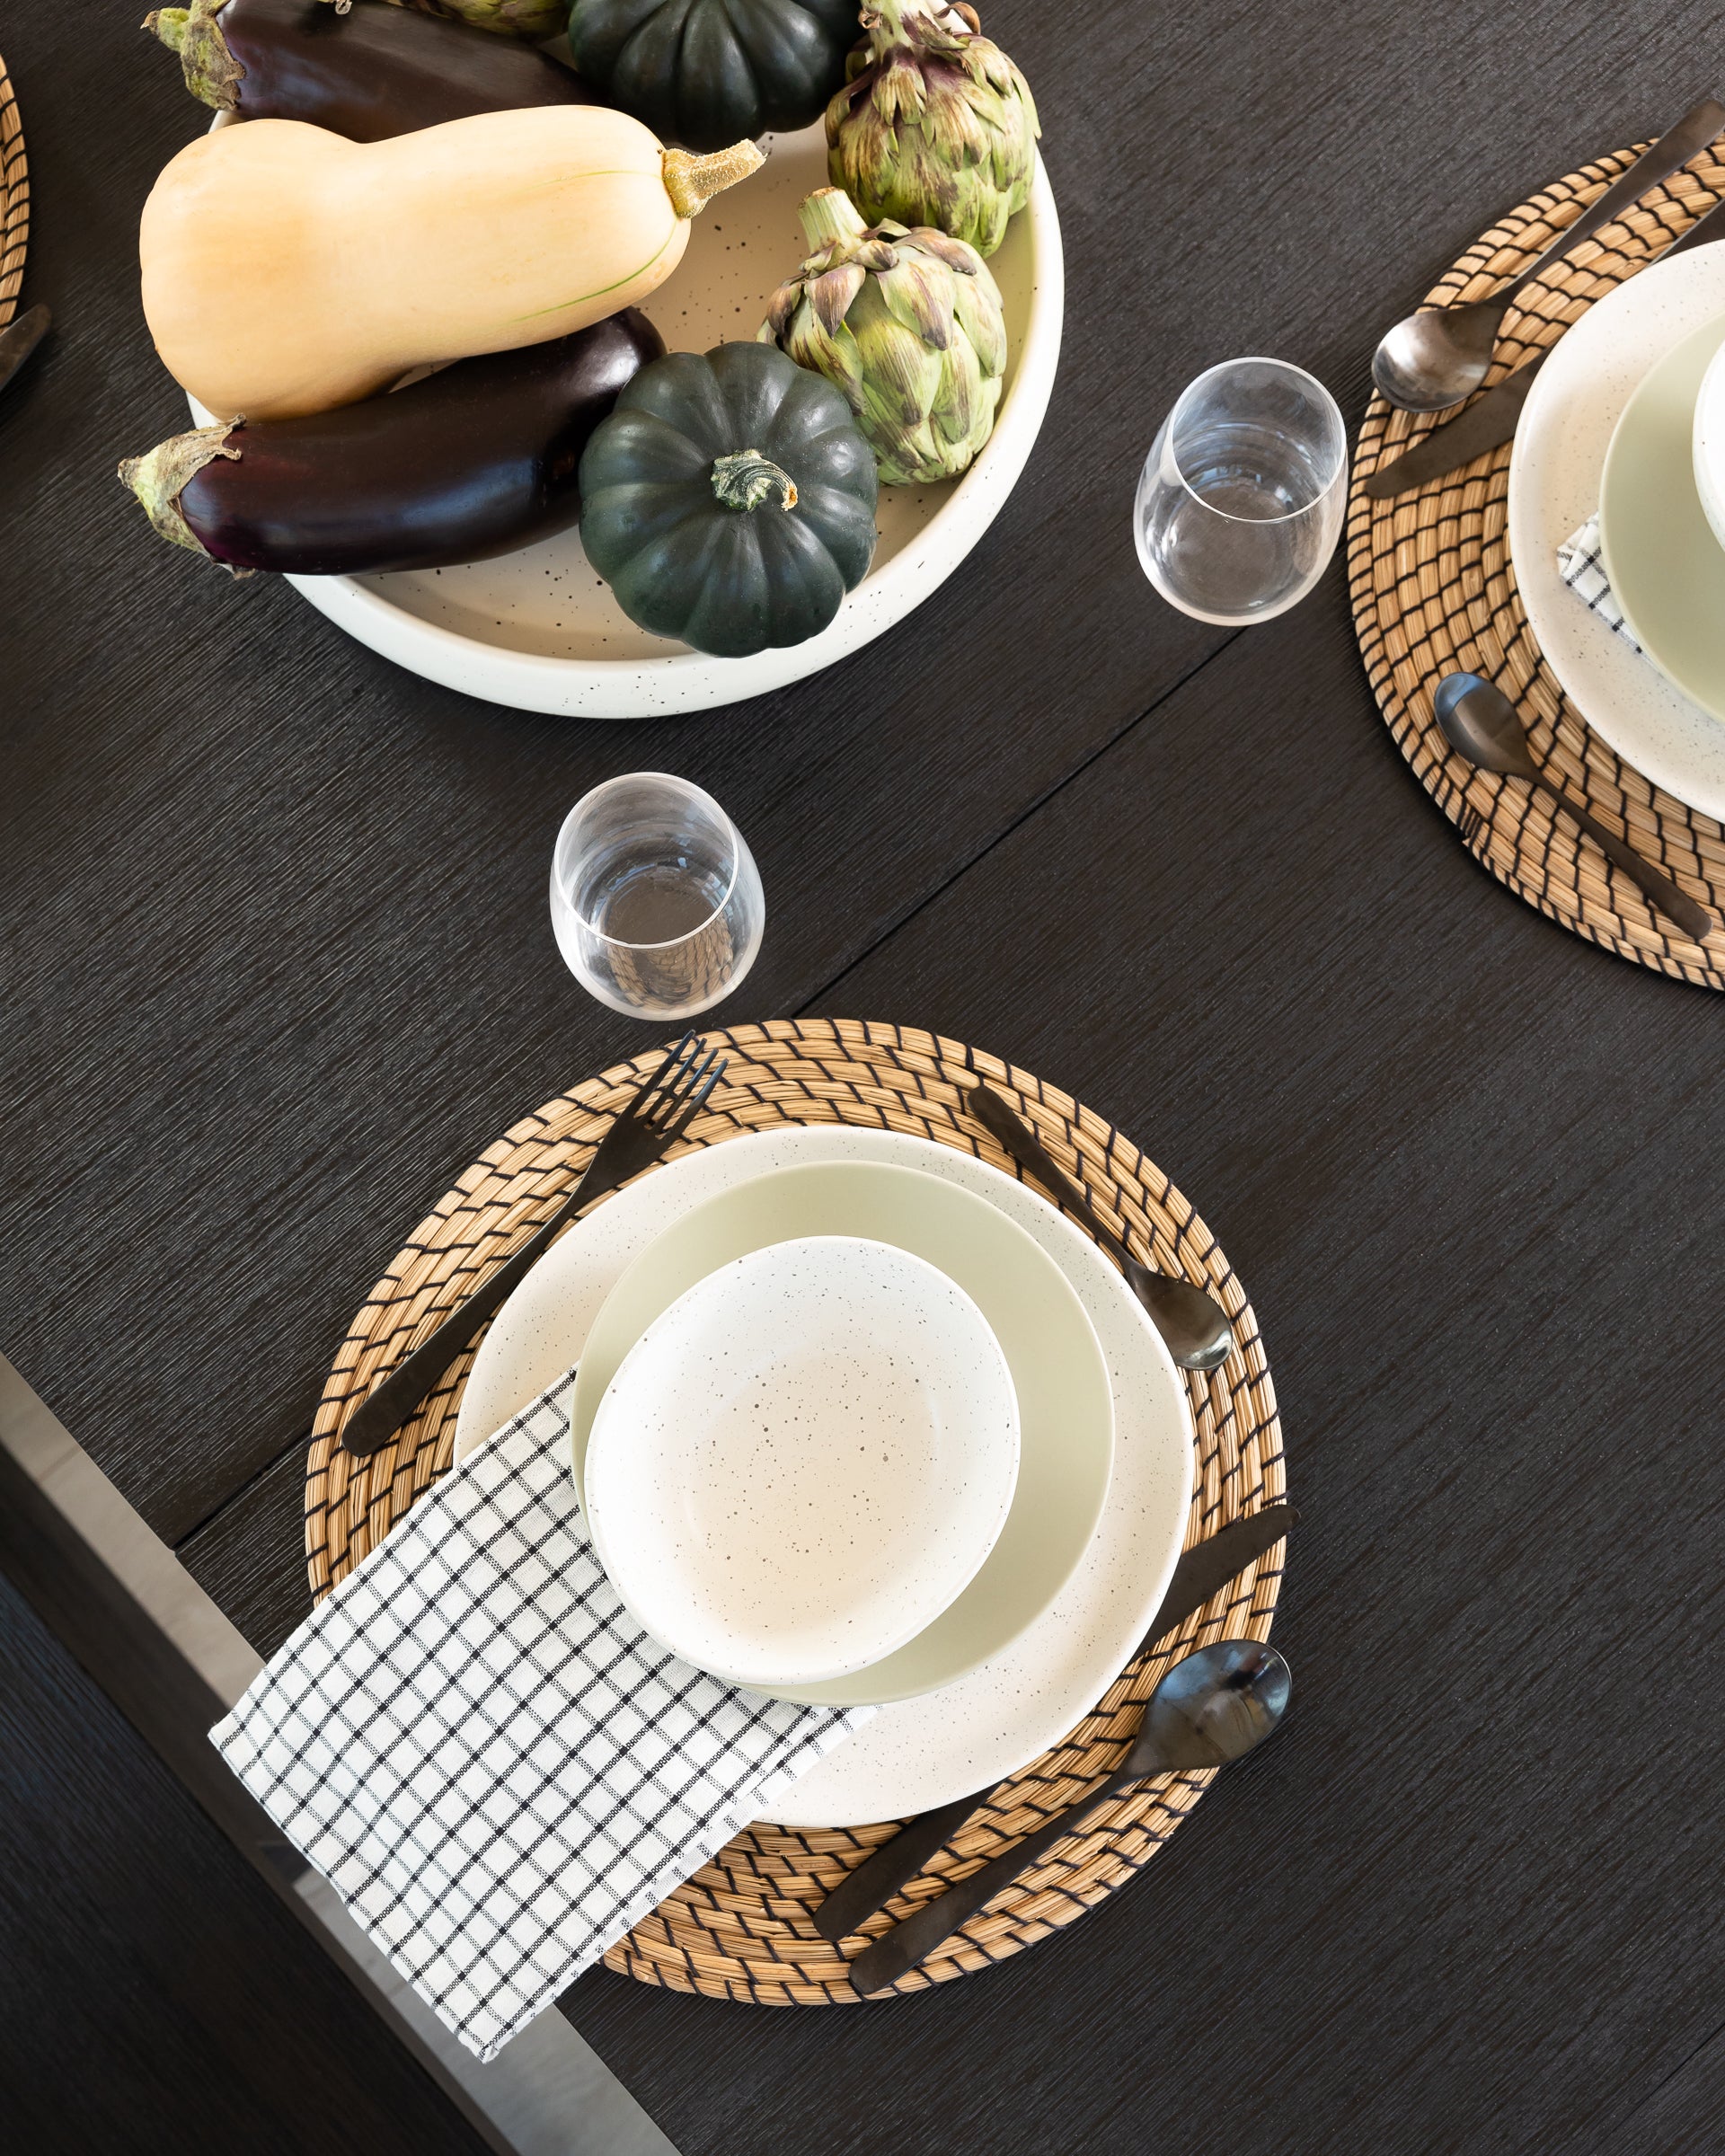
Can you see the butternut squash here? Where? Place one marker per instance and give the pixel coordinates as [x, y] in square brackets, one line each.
[287, 270]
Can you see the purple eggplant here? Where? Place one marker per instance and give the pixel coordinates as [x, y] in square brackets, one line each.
[367, 74]
[478, 459]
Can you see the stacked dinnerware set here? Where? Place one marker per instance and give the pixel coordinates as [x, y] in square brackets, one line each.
[825, 1476]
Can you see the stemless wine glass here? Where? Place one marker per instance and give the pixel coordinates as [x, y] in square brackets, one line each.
[655, 898]
[1241, 500]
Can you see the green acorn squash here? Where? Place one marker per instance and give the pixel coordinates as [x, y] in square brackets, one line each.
[729, 499]
[705, 73]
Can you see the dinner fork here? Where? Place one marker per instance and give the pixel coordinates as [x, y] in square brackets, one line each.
[645, 1130]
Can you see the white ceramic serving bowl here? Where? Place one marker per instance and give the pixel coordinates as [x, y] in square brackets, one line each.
[803, 1461]
[1708, 445]
[540, 631]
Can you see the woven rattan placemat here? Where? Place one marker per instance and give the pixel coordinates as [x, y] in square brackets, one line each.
[14, 199]
[1433, 590]
[740, 1928]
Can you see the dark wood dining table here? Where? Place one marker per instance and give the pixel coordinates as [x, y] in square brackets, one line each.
[277, 965]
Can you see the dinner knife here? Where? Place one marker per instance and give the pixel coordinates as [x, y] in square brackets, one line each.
[20, 338]
[1491, 419]
[1201, 1573]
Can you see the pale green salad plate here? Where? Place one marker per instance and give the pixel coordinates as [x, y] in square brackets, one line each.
[1667, 569]
[1066, 1402]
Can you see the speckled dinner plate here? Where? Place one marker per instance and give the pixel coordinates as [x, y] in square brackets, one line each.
[933, 1749]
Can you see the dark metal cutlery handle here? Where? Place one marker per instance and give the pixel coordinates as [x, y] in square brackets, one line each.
[1491, 419]
[1203, 1571]
[1668, 154]
[894, 1864]
[383, 1411]
[899, 1951]
[1021, 1142]
[656, 1114]
[1656, 887]
[20, 338]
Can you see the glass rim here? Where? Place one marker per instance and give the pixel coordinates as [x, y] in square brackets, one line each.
[628, 778]
[1285, 366]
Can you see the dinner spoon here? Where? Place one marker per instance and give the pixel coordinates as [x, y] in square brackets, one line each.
[1193, 1325]
[1213, 1706]
[1481, 723]
[1433, 359]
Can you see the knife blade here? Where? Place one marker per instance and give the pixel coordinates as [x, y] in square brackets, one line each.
[19, 339]
[1201, 1573]
[1491, 419]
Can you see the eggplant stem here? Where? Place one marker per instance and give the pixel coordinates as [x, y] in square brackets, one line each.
[213, 75]
[161, 476]
[692, 182]
[168, 24]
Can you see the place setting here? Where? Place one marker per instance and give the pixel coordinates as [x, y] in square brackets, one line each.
[799, 1521]
[1536, 566]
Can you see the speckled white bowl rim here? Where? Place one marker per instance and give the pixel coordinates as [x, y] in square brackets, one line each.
[1566, 428]
[962, 1373]
[935, 1749]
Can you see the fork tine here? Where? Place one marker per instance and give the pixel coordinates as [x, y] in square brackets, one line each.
[697, 1104]
[683, 1082]
[640, 1107]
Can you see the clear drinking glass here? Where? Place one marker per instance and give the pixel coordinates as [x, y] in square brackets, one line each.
[1241, 500]
[655, 898]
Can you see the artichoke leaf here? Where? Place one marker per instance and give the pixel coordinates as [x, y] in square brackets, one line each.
[831, 293]
[920, 294]
[982, 321]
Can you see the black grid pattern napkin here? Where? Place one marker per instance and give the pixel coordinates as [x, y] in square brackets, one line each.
[479, 1747]
[1581, 565]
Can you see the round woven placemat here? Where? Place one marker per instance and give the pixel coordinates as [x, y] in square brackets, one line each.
[740, 1928]
[14, 199]
[1433, 590]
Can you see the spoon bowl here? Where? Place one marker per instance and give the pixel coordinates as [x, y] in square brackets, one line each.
[1433, 359]
[1214, 1706]
[1481, 724]
[1192, 1323]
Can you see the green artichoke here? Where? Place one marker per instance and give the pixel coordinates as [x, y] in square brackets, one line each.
[935, 126]
[909, 324]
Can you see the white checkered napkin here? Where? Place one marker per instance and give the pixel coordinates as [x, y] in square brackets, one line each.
[1581, 564]
[486, 1756]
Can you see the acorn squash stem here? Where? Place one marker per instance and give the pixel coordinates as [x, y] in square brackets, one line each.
[747, 479]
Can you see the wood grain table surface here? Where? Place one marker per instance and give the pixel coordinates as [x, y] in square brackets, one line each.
[276, 964]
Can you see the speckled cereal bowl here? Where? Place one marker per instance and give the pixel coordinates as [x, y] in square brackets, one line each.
[803, 1461]
[539, 630]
